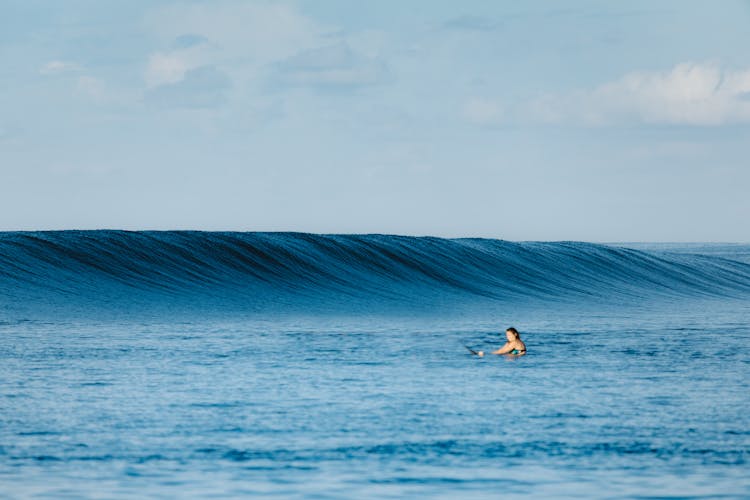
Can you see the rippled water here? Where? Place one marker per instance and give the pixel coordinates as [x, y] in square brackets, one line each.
[611, 402]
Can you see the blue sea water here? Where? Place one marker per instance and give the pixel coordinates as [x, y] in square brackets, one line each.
[188, 364]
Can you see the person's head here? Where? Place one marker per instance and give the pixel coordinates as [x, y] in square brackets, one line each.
[512, 334]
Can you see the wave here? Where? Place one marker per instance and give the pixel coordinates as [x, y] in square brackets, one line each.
[265, 270]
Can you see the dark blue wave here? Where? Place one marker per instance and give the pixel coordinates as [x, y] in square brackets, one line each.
[262, 270]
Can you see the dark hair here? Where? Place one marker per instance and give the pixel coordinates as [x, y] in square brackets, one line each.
[513, 331]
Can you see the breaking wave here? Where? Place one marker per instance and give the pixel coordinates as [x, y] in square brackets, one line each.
[282, 270]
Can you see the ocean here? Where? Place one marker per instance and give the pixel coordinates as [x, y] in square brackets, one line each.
[292, 365]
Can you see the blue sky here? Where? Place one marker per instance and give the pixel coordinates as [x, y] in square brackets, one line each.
[518, 120]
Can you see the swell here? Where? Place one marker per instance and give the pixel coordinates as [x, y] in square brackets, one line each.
[266, 269]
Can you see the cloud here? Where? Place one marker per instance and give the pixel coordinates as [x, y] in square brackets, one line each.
[330, 66]
[187, 52]
[245, 39]
[701, 94]
[260, 42]
[471, 23]
[85, 85]
[91, 87]
[166, 68]
[482, 111]
[688, 94]
[257, 32]
[58, 67]
[188, 40]
[202, 87]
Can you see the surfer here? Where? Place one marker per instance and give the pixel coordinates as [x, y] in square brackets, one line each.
[514, 345]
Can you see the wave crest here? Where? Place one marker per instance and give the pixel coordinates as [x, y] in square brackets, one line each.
[264, 269]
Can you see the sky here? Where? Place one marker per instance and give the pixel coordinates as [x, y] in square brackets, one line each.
[576, 120]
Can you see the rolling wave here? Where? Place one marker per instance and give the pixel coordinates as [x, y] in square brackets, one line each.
[262, 270]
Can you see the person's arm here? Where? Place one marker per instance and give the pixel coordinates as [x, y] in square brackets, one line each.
[504, 349]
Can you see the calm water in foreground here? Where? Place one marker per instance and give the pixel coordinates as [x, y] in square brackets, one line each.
[646, 402]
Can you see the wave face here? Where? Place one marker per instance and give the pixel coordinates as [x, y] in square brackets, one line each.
[261, 271]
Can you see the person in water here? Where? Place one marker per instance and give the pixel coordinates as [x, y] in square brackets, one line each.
[514, 345]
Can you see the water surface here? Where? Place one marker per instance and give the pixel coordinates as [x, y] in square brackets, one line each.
[157, 393]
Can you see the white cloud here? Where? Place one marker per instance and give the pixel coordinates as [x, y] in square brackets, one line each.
[188, 52]
[688, 94]
[471, 23]
[91, 87]
[166, 68]
[202, 87]
[257, 32]
[58, 67]
[482, 111]
[693, 94]
[332, 65]
[243, 39]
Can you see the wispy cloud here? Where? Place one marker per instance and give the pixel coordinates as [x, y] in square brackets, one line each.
[188, 40]
[165, 68]
[471, 23]
[482, 111]
[689, 94]
[202, 87]
[245, 40]
[186, 52]
[330, 66]
[256, 32]
[92, 88]
[58, 67]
